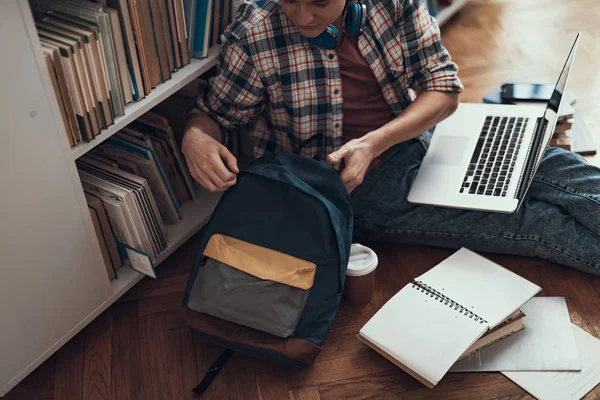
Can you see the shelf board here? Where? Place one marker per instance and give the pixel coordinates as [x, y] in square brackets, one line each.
[195, 216]
[134, 110]
[447, 12]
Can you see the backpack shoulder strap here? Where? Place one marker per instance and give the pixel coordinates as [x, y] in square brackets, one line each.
[213, 371]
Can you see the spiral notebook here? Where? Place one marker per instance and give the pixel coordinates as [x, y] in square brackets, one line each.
[429, 324]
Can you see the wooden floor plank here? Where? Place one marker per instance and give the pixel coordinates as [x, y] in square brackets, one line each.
[242, 379]
[182, 376]
[97, 367]
[153, 358]
[273, 387]
[395, 384]
[68, 382]
[310, 393]
[127, 366]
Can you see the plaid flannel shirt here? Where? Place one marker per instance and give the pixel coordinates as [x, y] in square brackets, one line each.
[274, 84]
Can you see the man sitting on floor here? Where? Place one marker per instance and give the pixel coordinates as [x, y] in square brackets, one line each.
[375, 95]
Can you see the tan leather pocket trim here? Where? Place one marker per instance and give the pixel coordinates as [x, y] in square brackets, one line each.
[261, 262]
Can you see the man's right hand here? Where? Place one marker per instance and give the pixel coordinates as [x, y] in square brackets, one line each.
[207, 160]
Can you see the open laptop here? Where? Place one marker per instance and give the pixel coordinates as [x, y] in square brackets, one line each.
[484, 156]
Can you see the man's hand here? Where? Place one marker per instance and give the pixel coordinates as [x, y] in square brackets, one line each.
[356, 155]
[206, 158]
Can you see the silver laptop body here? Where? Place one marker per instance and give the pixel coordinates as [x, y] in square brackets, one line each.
[484, 156]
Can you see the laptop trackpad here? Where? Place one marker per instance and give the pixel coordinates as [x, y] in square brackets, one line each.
[449, 150]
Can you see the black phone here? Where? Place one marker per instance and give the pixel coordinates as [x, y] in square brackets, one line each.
[527, 91]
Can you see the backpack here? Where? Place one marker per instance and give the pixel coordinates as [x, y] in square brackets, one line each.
[269, 275]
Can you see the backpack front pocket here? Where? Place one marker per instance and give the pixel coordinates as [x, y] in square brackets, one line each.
[252, 285]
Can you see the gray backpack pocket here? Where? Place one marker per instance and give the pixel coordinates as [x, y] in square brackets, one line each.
[248, 285]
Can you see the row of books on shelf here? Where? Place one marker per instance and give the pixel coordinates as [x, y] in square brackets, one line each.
[104, 55]
[135, 184]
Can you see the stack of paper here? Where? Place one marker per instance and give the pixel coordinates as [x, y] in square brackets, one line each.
[565, 385]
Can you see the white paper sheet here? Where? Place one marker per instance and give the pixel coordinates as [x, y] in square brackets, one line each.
[565, 385]
[546, 344]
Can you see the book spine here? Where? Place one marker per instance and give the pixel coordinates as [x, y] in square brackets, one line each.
[442, 298]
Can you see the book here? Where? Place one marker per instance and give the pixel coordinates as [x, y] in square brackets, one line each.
[147, 169]
[67, 62]
[162, 129]
[69, 48]
[189, 11]
[117, 35]
[92, 12]
[434, 320]
[513, 324]
[131, 52]
[61, 98]
[106, 238]
[182, 33]
[90, 37]
[135, 191]
[162, 46]
[583, 142]
[202, 29]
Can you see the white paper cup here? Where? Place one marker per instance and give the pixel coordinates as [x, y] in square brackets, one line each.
[360, 275]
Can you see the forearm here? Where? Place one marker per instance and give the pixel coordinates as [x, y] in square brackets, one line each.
[428, 109]
[205, 124]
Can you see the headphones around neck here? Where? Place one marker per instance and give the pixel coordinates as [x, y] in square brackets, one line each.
[353, 24]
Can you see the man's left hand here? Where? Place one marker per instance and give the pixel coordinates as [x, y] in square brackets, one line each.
[355, 158]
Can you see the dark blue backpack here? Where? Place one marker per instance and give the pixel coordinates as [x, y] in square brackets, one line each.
[269, 275]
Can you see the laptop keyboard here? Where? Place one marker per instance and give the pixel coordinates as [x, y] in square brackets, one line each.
[493, 161]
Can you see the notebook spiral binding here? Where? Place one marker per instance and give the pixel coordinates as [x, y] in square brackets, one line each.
[447, 301]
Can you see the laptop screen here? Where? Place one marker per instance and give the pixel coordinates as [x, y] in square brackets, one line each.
[551, 113]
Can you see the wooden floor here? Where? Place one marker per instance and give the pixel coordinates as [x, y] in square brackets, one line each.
[140, 349]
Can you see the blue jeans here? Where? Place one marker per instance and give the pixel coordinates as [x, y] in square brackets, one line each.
[558, 221]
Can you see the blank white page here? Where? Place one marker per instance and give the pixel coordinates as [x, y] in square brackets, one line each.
[565, 385]
[546, 344]
[422, 333]
[480, 285]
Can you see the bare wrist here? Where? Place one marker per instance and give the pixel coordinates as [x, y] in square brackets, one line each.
[375, 140]
[201, 123]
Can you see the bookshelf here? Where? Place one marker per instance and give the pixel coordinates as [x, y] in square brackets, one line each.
[445, 13]
[135, 110]
[52, 266]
